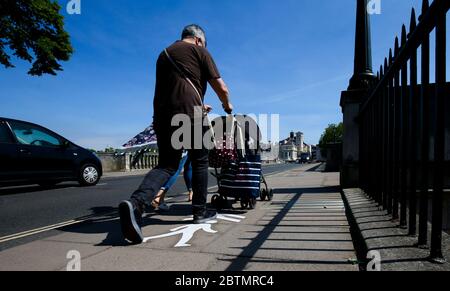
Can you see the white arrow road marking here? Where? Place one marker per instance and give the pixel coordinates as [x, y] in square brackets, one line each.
[226, 217]
[231, 217]
[187, 231]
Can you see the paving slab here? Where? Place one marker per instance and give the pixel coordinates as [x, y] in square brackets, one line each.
[44, 255]
[141, 259]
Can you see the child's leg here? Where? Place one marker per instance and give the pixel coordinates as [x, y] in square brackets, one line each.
[188, 178]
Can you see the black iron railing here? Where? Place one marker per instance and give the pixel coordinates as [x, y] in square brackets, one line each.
[403, 127]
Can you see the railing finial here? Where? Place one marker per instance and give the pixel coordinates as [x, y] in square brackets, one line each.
[404, 36]
[397, 47]
[413, 24]
[425, 7]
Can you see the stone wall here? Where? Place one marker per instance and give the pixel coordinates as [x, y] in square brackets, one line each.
[124, 162]
[113, 163]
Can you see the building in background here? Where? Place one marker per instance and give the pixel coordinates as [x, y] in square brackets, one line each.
[294, 148]
[270, 152]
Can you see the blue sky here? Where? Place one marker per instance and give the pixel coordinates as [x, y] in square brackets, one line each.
[290, 57]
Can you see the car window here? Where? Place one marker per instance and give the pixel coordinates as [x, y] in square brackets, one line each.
[32, 135]
[5, 134]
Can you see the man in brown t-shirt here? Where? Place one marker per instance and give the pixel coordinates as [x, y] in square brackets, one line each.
[183, 72]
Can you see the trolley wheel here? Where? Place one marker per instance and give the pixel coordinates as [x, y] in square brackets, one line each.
[263, 195]
[223, 202]
[270, 195]
[216, 201]
[244, 204]
[252, 203]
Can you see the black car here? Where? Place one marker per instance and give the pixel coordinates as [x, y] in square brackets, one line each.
[32, 154]
[305, 158]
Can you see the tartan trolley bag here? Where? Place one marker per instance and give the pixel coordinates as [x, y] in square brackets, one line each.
[240, 175]
[241, 180]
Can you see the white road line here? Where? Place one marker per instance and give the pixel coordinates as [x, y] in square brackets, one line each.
[39, 230]
[49, 227]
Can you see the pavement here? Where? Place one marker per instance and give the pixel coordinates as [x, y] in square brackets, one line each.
[397, 251]
[303, 228]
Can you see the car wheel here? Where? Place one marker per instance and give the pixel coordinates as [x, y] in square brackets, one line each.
[89, 175]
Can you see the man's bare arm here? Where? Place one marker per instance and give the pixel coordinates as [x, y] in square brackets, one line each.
[223, 93]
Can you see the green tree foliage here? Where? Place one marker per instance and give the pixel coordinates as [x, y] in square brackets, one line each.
[33, 30]
[333, 134]
[110, 150]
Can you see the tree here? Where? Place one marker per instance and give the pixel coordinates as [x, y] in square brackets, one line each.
[110, 150]
[33, 31]
[333, 134]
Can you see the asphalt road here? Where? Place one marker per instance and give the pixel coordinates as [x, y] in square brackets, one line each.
[29, 208]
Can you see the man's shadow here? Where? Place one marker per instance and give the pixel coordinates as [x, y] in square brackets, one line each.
[105, 220]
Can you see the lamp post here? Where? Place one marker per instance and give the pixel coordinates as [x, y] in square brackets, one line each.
[363, 74]
[352, 98]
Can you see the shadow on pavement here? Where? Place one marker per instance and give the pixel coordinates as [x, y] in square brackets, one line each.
[317, 190]
[328, 235]
[105, 220]
[244, 261]
[102, 220]
[318, 168]
[250, 250]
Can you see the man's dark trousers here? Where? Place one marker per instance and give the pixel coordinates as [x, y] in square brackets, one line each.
[169, 160]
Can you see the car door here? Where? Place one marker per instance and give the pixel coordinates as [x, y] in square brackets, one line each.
[41, 152]
[9, 157]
